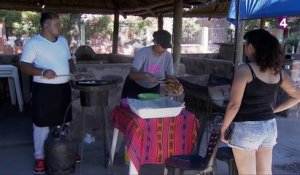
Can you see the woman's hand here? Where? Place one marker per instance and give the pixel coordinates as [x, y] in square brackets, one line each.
[223, 136]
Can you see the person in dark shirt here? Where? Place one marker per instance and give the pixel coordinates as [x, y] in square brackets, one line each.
[250, 109]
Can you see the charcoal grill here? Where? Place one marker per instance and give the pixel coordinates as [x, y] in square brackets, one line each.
[94, 93]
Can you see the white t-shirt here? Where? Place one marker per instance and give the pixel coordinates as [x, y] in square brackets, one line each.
[48, 55]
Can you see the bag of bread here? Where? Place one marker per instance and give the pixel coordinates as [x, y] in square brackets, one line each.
[171, 87]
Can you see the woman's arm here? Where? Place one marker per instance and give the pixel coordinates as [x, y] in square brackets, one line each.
[290, 102]
[289, 86]
[241, 77]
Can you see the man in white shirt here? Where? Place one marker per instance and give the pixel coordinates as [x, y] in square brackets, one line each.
[47, 58]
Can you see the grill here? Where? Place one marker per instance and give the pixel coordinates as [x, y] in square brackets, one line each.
[95, 93]
[197, 92]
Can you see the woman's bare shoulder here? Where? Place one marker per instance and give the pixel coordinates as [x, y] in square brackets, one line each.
[243, 68]
[243, 71]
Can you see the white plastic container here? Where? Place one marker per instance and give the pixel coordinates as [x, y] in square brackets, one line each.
[163, 107]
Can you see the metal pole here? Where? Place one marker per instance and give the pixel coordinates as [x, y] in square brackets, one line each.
[239, 32]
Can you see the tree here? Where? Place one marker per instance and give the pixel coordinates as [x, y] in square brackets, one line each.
[189, 29]
[30, 24]
[136, 28]
[9, 18]
[20, 23]
[99, 27]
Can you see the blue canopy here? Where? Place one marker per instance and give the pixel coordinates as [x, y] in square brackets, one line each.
[253, 9]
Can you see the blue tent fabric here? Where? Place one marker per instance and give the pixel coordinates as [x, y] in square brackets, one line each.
[253, 9]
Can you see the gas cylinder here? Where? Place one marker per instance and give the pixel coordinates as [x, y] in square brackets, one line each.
[59, 153]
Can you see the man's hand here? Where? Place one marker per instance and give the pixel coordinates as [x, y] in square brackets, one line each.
[49, 74]
[152, 78]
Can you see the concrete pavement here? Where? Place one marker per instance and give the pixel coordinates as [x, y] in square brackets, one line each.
[16, 149]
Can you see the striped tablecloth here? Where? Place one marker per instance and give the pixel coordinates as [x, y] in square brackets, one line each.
[152, 141]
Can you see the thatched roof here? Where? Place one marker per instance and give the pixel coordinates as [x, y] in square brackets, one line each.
[144, 8]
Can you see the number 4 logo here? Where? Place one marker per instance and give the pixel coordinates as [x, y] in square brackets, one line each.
[282, 23]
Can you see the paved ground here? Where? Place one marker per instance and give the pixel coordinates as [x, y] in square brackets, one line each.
[16, 149]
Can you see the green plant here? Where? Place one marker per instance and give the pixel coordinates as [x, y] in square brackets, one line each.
[102, 27]
[189, 29]
[293, 39]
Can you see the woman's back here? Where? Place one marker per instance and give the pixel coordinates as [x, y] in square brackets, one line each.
[267, 76]
[258, 95]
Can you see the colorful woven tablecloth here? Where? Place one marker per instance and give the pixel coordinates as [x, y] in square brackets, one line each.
[152, 141]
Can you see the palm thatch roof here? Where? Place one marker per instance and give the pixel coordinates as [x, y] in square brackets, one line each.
[143, 8]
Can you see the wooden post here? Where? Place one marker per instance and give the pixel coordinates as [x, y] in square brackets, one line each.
[116, 33]
[160, 21]
[262, 23]
[177, 29]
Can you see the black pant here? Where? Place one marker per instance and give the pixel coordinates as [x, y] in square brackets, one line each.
[131, 89]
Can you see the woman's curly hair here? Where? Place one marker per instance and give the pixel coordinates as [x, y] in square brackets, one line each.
[268, 52]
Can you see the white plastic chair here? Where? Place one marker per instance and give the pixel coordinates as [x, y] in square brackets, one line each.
[11, 72]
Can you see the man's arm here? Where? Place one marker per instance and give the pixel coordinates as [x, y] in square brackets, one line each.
[136, 75]
[29, 69]
[170, 69]
[72, 66]
[170, 76]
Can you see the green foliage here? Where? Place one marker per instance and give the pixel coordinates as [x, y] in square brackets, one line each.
[20, 23]
[27, 23]
[136, 27]
[292, 39]
[255, 24]
[189, 28]
[271, 23]
[30, 24]
[10, 17]
[101, 27]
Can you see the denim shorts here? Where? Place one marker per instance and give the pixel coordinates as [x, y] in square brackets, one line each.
[251, 135]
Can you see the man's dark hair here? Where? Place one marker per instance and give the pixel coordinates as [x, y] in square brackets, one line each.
[46, 16]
